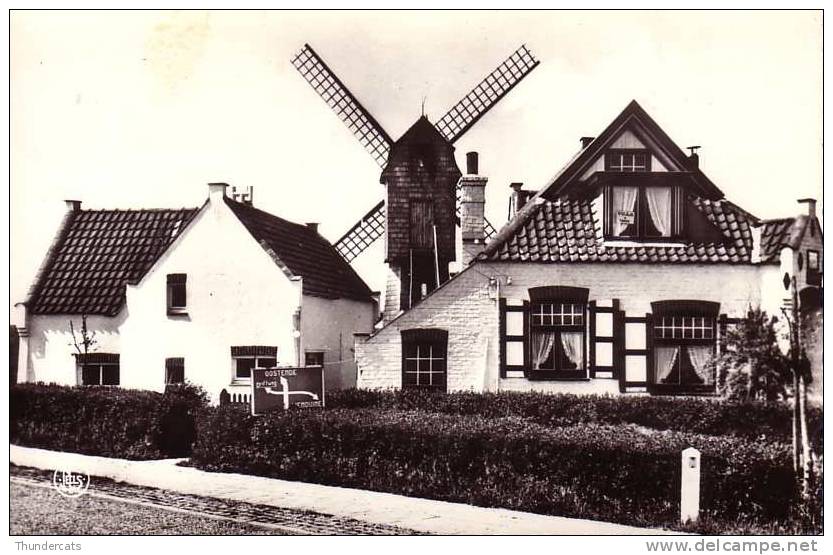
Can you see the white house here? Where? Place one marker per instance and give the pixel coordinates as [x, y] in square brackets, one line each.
[201, 295]
[620, 275]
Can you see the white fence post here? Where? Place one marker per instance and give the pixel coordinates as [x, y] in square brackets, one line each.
[690, 486]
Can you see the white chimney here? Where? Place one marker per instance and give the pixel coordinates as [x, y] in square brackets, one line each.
[811, 206]
[217, 192]
[472, 207]
[73, 205]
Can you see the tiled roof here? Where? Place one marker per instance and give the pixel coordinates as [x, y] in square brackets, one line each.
[570, 230]
[780, 233]
[97, 253]
[304, 253]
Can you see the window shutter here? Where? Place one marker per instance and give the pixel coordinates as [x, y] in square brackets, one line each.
[177, 278]
[527, 362]
[514, 338]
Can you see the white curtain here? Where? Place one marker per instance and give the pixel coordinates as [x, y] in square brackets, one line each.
[624, 198]
[700, 357]
[659, 204]
[665, 358]
[542, 344]
[574, 347]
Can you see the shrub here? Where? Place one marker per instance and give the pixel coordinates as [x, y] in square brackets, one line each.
[105, 421]
[750, 419]
[620, 473]
[175, 428]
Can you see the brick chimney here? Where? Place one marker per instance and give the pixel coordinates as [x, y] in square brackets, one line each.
[472, 205]
[693, 157]
[811, 206]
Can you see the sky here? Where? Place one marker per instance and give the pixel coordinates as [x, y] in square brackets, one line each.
[143, 109]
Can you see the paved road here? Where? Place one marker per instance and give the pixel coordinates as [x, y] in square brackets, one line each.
[290, 521]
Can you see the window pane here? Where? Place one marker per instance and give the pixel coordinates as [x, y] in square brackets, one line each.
[244, 367]
[313, 359]
[572, 346]
[91, 374]
[177, 295]
[110, 374]
[542, 350]
[623, 211]
[266, 362]
[658, 200]
[667, 364]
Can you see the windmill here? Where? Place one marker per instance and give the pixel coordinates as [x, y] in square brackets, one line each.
[421, 207]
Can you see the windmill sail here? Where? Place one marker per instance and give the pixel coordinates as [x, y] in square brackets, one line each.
[329, 87]
[369, 228]
[485, 95]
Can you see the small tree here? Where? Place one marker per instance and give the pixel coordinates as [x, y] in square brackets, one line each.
[751, 366]
[84, 341]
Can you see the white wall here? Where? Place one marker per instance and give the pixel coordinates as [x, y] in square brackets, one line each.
[464, 308]
[236, 295]
[51, 349]
[328, 325]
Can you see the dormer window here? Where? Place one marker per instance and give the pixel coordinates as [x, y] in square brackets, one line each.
[642, 212]
[630, 161]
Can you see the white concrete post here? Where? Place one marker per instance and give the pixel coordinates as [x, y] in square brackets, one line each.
[690, 486]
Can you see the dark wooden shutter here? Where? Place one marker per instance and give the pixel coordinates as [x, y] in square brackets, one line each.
[422, 224]
[510, 343]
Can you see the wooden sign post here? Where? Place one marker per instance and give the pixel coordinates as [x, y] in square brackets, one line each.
[282, 388]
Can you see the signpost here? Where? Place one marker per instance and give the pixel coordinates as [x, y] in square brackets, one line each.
[281, 388]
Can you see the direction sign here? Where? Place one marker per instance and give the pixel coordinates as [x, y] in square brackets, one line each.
[281, 388]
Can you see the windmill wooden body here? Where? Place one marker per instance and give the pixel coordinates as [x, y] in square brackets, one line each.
[419, 213]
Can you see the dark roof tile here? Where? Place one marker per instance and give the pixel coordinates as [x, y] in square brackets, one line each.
[569, 230]
[305, 253]
[81, 275]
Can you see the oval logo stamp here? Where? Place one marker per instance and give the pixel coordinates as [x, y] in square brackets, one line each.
[70, 483]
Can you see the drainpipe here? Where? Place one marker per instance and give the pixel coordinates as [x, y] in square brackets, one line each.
[296, 334]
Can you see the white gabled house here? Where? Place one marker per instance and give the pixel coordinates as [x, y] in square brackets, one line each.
[620, 275]
[201, 295]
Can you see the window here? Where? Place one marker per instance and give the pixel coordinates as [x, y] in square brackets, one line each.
[684, 335]
[557, 338]
[177, 294]
[98, 369]
[246, 358]
[813, 268]
[174, 371]
[424, 355]
[642, 212]
[628, 161]
[314, 358]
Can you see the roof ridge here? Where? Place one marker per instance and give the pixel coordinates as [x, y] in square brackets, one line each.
[137, 210]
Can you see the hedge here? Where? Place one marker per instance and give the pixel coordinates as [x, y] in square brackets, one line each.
[752, 420]
[622, 473]
[106, 421]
